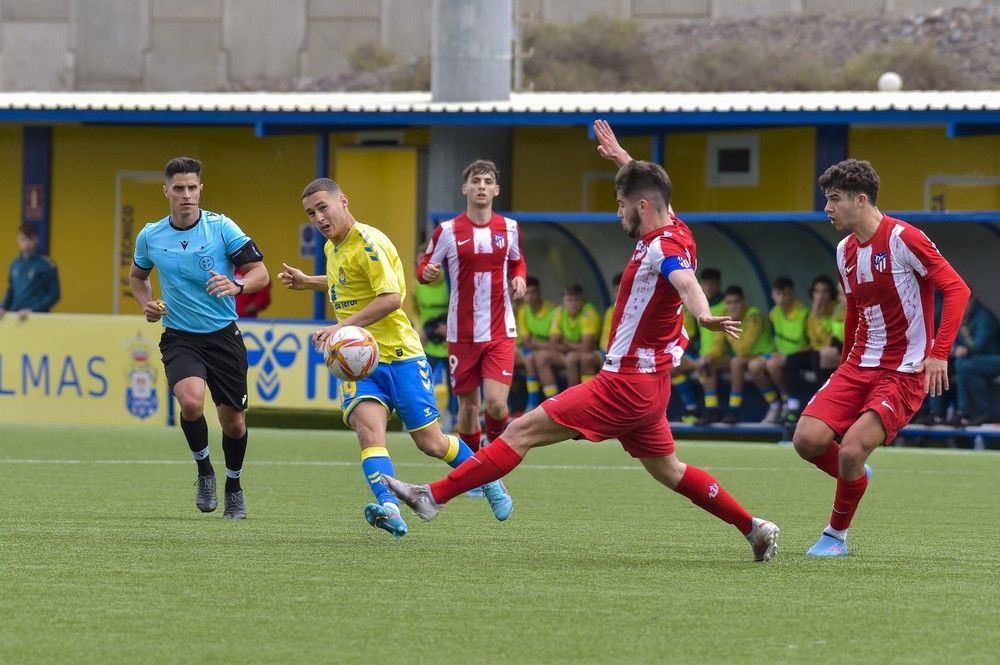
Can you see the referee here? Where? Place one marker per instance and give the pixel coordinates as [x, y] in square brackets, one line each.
[195, 252]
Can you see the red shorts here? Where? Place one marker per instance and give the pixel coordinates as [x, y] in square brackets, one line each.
[471, 362]
[629, 407]
[852, 390]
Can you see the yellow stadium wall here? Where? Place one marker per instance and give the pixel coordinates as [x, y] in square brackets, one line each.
[550, 167]
[905, 156]
[787, 167]
[10, 197]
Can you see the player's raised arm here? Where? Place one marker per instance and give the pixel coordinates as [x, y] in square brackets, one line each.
[296, 280]
[694, 299]
[607, 144]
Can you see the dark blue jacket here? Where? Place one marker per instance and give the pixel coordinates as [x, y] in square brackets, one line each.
[980, 332]
[34, 284]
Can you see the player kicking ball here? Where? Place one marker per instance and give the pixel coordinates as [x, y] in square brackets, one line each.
[628, 398]
[366, 286]
[891, 358]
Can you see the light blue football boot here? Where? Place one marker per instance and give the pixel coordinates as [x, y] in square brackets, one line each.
[500, 501]
[827, 545]
[386, 517]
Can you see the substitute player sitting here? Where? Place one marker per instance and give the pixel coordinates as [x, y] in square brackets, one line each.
[573, 340]
[628, 398]
[891, 359]
[366, 286]
[534, 318]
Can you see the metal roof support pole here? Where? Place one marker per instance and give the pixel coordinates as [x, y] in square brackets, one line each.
[471, 62]
[831, 147]
[322, 171]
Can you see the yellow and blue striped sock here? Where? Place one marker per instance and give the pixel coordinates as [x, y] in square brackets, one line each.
[458, 451]
[534, 391]
[771, 395]
[711, 400]
[550, 391]
[735, 400]
[375, 462]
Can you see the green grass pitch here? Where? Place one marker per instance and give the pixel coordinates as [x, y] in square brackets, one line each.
[104, 559]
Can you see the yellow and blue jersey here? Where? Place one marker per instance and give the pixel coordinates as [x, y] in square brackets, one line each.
[366, 264]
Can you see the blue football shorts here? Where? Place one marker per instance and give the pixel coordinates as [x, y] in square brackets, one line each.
[403, 386]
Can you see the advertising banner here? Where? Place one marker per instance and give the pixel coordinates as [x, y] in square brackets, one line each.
[101, 369]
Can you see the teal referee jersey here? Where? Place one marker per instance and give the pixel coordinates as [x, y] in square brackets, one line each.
[185, 259]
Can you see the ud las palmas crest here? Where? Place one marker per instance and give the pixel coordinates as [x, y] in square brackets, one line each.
[140, 392]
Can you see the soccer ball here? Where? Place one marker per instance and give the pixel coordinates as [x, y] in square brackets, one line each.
[351, 354]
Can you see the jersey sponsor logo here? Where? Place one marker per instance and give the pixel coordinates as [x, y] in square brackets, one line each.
[505, 372]
[462, 242]
[206, 263]
[848, 269]
[341, 276]
[888, 406]
[345, 303]
[500, 240]
[881, 261]
[713, 490]
[184, 244]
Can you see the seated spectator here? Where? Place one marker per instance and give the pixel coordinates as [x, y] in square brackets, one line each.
[749, 354]
[250, 305]
[33, 280]
[788, 320]
[534, 319]
[573, 338]
[977, 361]
[825, 338]
[708, 353]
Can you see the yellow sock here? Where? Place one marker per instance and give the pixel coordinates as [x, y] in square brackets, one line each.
[550, 391]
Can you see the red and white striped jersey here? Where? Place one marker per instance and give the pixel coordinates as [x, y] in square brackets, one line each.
[889, 290]
[480, 261]
[647, 329]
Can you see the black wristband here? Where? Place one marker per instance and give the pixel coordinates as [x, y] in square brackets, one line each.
[241, 285]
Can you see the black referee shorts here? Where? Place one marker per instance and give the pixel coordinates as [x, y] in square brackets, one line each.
[220, 358]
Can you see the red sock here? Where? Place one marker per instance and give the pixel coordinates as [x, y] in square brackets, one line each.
[471, 439]
[487, 465]
[846, 500]
[706, 493]
[495, 427]
[827, 461]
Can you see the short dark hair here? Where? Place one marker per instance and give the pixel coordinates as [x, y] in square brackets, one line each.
[639, 179]
[822, 279]
[28, 230]
[573, 290]
[733, 290]
[480, 167]
[320, 185]
[182, 165]
[855, 176]
[782, 283]
[532, 281]
[712, 274]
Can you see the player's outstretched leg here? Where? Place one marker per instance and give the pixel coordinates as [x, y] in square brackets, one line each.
[205, 496]
[417, 497]
[386, 517]
[763, 538]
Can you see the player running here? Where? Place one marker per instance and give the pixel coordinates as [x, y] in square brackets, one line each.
[891, 358]
[628, 398]
[364, 276]
[482, 252]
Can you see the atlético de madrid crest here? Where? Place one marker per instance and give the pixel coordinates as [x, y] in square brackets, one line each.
[881, 261]
[500, 240]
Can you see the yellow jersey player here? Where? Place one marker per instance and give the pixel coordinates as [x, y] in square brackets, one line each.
[366, 286]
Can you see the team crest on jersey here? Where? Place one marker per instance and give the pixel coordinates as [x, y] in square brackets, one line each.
[500, 240]
[881, 261]
[206, 263]
[341, 276]
[640, 251]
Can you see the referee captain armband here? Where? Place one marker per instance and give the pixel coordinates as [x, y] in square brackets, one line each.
[248, 253]
[672, 263]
